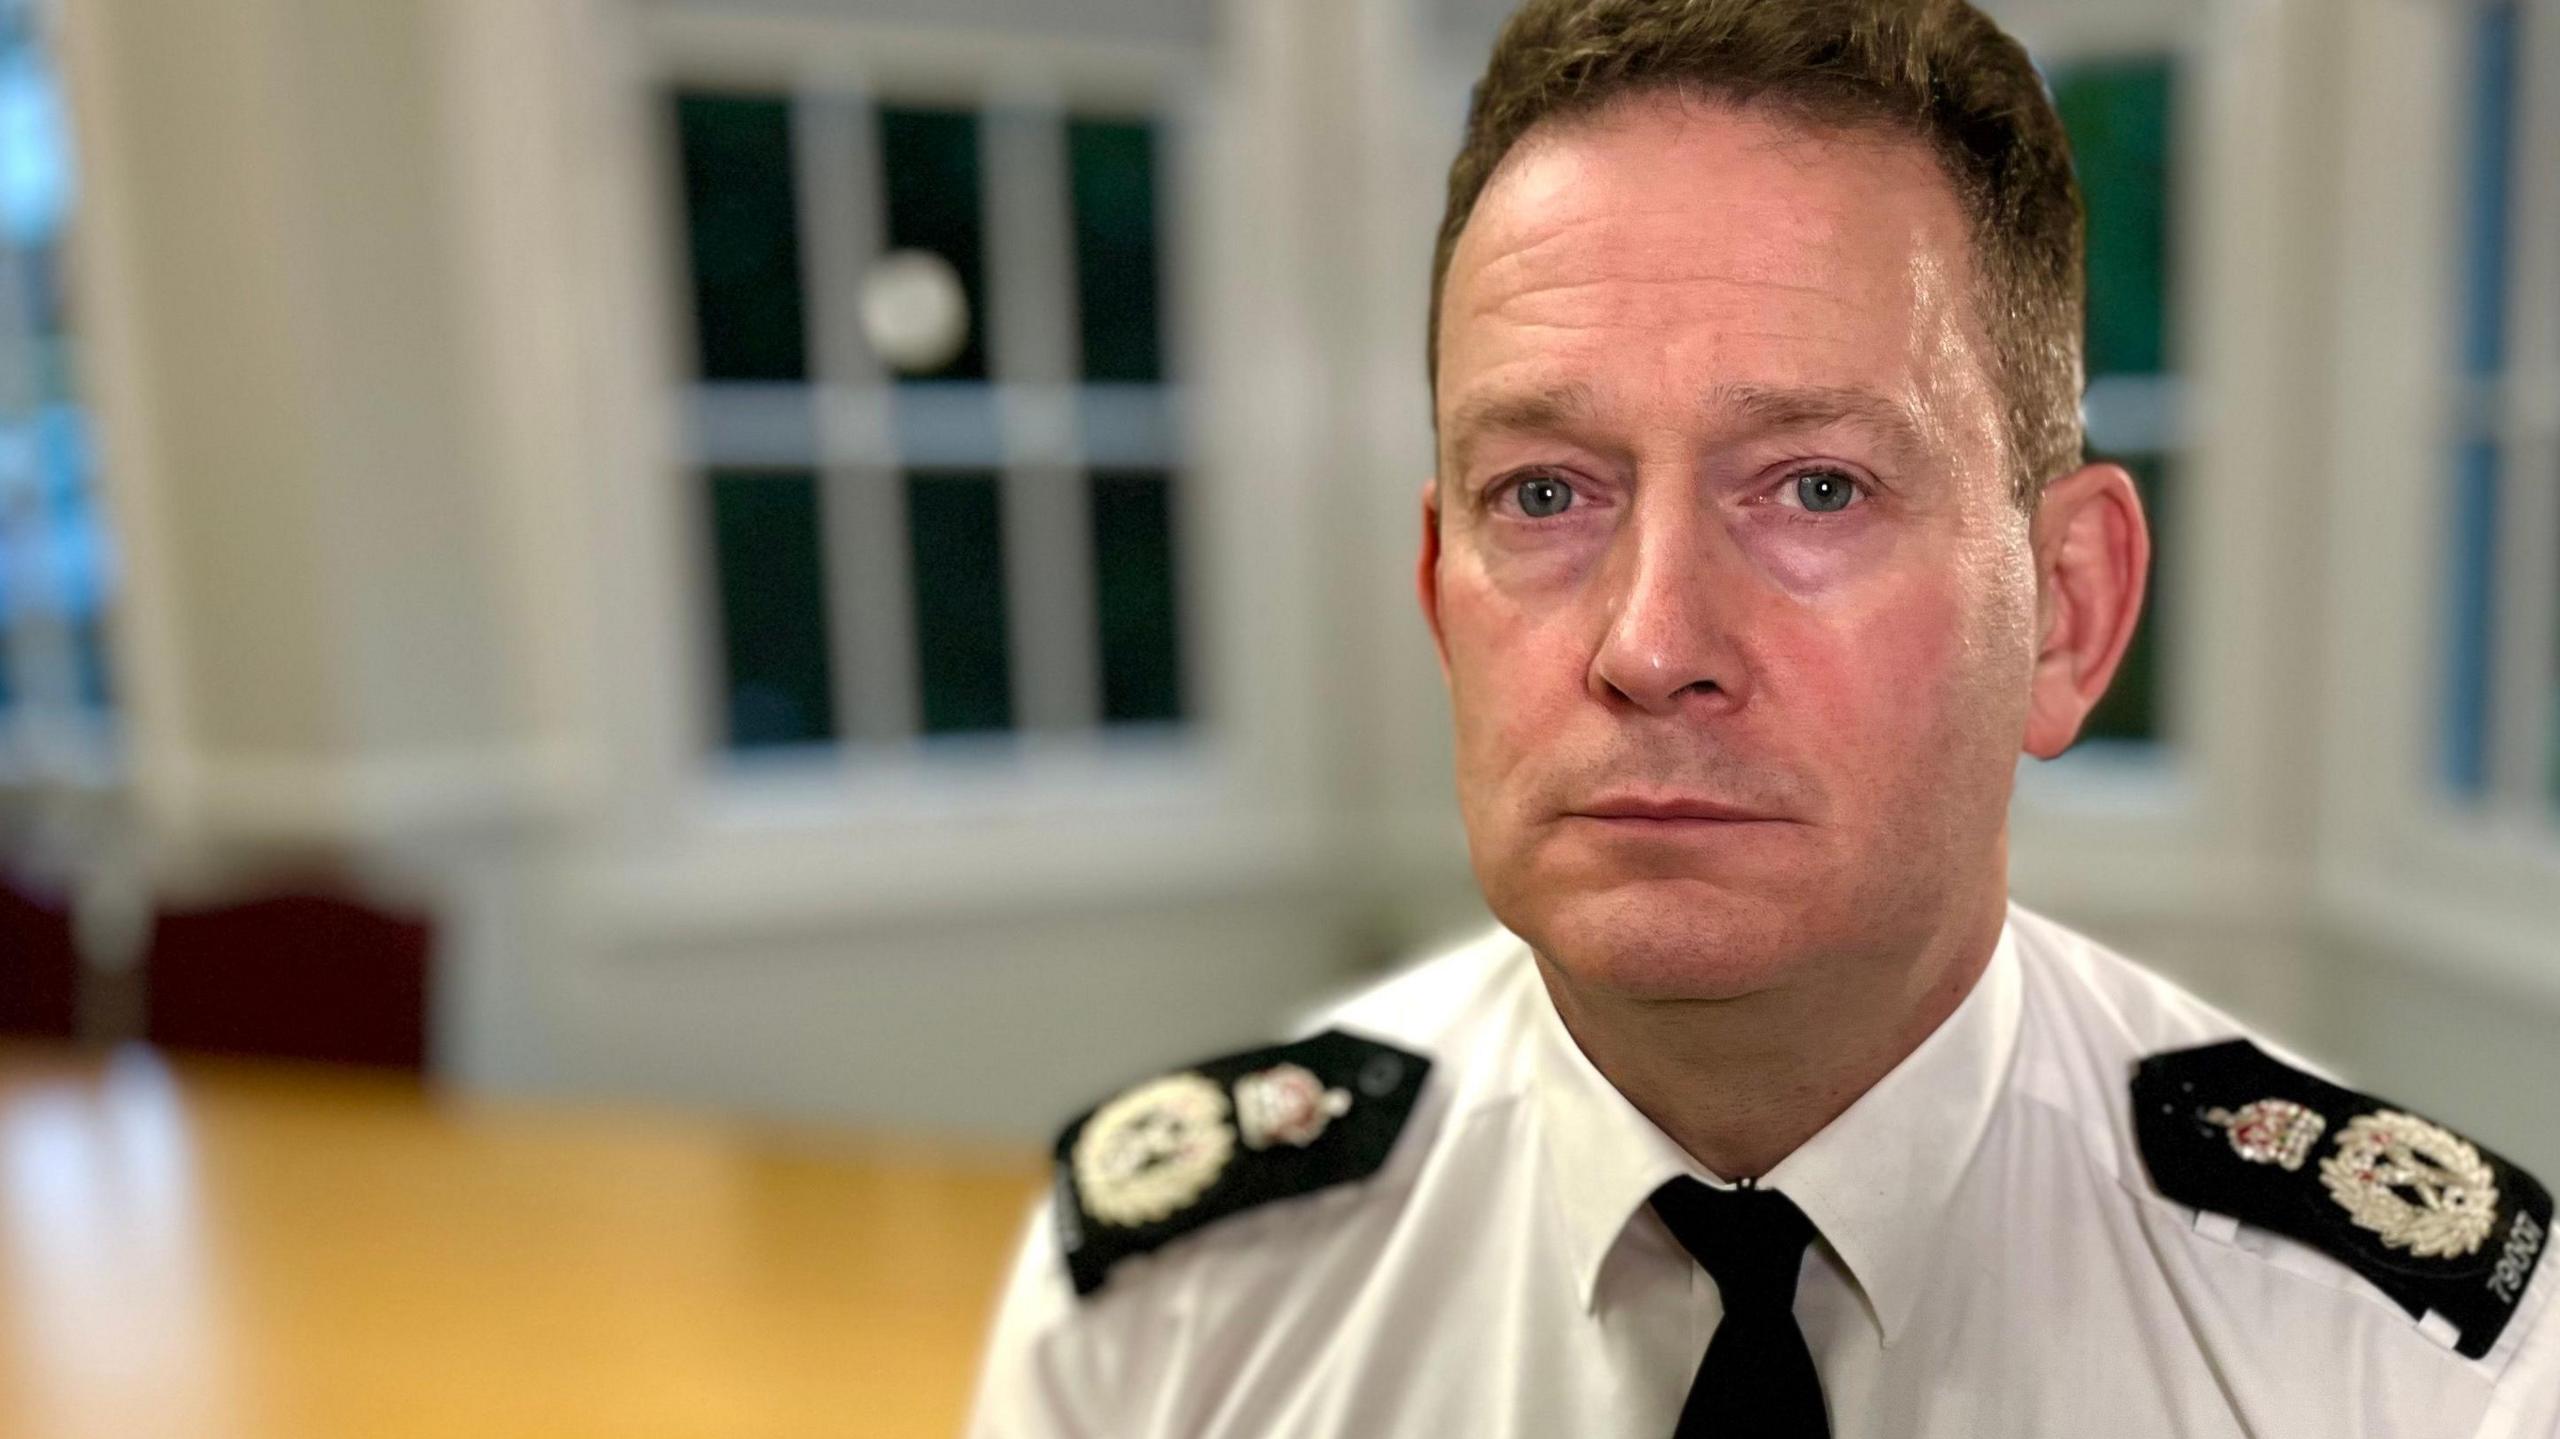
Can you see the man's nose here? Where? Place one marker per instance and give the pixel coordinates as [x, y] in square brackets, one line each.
[1675, 597]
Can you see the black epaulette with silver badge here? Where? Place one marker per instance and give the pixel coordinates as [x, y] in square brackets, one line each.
[1188, 1148]
[2436, 1221]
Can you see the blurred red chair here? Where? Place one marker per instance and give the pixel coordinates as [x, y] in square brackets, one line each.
[292, 976]
[39, 967]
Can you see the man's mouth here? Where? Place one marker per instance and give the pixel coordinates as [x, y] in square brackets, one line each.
[1667, 809]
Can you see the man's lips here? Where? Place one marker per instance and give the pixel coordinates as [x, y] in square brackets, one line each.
[1666, 810]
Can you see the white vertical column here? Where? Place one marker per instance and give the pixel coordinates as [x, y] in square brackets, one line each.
[2390, 343]
[1400, 780]
[862, 503]
[1048, 548]
[300, 462]
[2254, 133]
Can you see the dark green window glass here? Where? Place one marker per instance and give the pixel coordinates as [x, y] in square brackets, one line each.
[1134, 596]
[742, 228]
[773, 617]
[929, 168]
[955, 528]
[2131, 708]
[2118, 113]
[1117, 281]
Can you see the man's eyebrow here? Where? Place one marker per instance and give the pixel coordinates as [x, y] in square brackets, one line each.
[1743, 406]
[1774, 407]
[1516, 410]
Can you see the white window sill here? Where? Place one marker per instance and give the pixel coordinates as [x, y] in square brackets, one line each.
[946, 830]
[83, 753]
[2126, 831]
[2473, 897]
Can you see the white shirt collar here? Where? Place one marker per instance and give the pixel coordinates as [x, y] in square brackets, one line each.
[1874, 1181]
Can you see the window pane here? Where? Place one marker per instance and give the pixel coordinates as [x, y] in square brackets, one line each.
[80, 555]
[742, 226]
[773, 626]
[50, 523]
[2118, 115]
[1134, 596]
[2484, 252]
[12, 612]
[2130, 709]
[955, 526]
[1117, 279]
[2471, 548]
[929, 167]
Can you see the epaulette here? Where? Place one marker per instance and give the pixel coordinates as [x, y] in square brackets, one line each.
[1188, 1148]
[2433, 1219]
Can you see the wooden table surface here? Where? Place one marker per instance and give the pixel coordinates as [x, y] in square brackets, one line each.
[216, 1249]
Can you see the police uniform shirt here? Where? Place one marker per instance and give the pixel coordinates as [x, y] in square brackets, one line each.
[1993, 1257]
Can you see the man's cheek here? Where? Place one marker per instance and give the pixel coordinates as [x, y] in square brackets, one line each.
[1507, 656]
[1514, 684]
[1875, 672]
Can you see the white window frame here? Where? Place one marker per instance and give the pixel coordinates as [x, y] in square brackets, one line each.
[2176, 829]
[2472, 892]
[698, 845]
[1048, 426]
[2518, 410]
[2137, 415]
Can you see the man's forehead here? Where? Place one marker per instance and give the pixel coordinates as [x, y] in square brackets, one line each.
[1659, 166]
[1700, 237]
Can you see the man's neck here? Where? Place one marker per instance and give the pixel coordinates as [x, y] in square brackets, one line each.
[1741, 1083]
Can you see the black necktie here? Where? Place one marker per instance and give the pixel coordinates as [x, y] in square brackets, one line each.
[1758, 1377]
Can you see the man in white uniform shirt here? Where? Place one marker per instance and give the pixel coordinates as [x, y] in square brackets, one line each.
[1760, 544]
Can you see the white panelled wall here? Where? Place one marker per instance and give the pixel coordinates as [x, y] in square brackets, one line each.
[385, 311]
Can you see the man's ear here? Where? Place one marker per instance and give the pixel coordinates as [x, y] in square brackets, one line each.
[1426, 571]
[2093, 557]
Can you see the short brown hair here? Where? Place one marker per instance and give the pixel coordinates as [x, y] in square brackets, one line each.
[1938, 70]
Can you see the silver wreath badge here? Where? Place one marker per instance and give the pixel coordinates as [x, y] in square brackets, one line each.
[2382, 1154]
[1148, 1154]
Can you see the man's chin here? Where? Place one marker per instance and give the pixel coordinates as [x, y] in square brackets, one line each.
[1662, 939]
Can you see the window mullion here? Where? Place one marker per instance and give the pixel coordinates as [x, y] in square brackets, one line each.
[1047, 527]
[862, 488]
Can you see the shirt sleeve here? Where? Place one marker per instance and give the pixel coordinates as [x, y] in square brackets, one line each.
[2526, 1403]
[1031, 1382]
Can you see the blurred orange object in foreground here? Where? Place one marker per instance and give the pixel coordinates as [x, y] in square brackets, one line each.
[218, 1249]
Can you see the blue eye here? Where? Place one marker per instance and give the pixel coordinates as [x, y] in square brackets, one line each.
[1543, 497]
[1825, 491]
